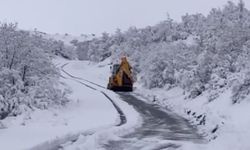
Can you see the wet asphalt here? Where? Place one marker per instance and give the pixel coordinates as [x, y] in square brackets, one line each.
[157, 125]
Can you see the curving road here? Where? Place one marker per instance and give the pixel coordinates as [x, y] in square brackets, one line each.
[161, 129]
[158, 126]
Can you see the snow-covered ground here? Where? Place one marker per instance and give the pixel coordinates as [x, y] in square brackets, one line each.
[96, 75]
[88, 111]
[92, 119]
[100, 138]
[224, 125]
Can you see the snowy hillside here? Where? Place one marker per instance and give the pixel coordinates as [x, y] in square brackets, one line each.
[198, 67]
[67, 38]
[191, 91]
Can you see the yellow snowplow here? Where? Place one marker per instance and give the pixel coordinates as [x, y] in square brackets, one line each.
[121, 78]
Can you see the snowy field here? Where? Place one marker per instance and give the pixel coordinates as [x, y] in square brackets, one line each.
[87, 112]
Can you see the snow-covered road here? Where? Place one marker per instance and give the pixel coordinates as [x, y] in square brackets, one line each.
[92, 86]
[159, 129]
[95, 139]
[97, 119]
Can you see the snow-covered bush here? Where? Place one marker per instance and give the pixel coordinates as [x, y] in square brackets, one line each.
[28, 79]
[45, 94]
[241, 89]
[65, 51]
[52, 46]
[10, 91]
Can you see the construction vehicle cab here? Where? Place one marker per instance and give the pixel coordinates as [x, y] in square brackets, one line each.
[121, 76]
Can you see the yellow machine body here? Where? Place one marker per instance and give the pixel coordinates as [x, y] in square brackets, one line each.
[121, 78]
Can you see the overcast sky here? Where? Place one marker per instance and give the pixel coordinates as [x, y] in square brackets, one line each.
[96, 16]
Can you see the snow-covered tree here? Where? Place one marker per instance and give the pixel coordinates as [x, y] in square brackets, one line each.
[199, 53]
[27, 76]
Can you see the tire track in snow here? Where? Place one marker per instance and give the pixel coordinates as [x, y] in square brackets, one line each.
[79, 78]
[123, 118]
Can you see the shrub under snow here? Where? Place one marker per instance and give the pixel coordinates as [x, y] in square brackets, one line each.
[28, 79]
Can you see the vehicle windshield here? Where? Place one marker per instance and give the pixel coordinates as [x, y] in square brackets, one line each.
[115, 68]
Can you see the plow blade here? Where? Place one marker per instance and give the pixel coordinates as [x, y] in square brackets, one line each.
[121, 88]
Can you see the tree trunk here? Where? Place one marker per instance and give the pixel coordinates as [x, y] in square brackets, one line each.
[12, 60]
[24, 72]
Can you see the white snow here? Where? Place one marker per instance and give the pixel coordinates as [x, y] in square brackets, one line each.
[97, 73]
[88, 110]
